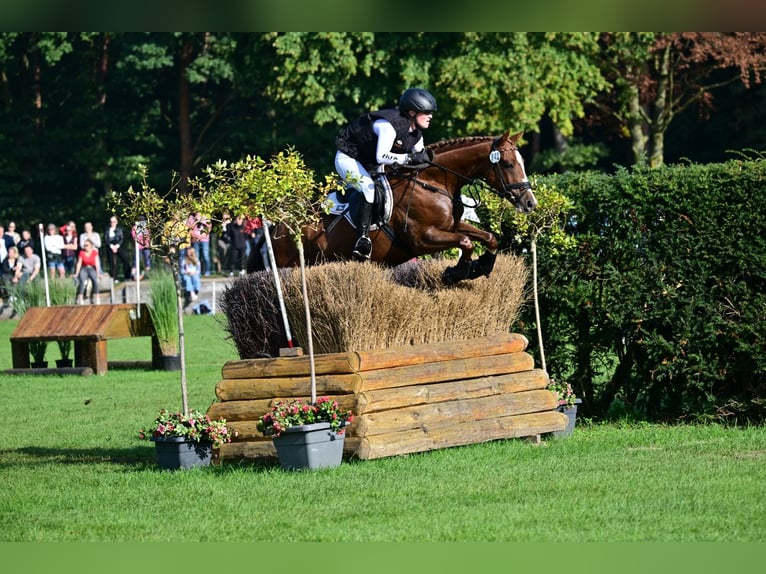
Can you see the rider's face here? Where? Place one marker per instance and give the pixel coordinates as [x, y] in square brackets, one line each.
[422, 120]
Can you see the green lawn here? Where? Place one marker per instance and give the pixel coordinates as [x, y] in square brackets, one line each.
[73, 469]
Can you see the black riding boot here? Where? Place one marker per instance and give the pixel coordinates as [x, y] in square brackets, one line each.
[363, 246]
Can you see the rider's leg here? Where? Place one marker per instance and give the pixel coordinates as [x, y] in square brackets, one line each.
[363, 247]
[354, 173]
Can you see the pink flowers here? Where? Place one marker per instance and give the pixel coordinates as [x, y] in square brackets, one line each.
[195, 426]
[284, 415]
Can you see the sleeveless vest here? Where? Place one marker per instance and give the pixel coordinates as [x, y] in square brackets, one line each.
[359, 141]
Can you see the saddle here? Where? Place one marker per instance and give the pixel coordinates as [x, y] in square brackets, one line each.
[344, 202]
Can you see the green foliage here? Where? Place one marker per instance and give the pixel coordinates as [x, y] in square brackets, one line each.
[163, 308]
[63, 290]
[661, 303]
[282, 189]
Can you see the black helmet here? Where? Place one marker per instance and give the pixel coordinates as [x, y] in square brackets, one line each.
[418, 100]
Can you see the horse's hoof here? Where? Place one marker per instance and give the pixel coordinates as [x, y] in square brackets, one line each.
[483, 265]
[457, 273]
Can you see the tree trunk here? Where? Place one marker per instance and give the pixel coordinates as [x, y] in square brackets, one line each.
[184, 119]
[662, 113]
[636, 126]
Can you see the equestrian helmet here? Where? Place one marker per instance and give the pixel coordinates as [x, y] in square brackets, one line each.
[417, 100]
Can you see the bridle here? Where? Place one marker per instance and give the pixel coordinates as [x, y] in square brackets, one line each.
[495, 158]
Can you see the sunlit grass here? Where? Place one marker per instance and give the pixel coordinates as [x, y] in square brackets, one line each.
[72, 468]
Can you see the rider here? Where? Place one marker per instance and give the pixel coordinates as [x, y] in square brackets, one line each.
[376, 139]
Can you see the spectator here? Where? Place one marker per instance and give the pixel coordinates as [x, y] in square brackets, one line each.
[254, 230]
[140, 234]
[114, 237]
[26, 239]
[237, 244]
[89, 234]
[88, 268]
[11, 230]
[30, 264]
[6, 241]
[199, 228]
[222, 243]
[69, 252]
[10, 269]
[53, 243]
[190, 273]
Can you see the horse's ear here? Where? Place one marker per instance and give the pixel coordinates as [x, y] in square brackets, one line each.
[514, 137]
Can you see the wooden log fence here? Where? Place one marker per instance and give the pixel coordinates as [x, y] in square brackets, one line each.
[404, 400]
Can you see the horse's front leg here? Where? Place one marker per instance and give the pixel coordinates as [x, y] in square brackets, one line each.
[486, 261]
[435, 240]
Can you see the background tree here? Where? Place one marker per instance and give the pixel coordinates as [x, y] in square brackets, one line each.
[657, 76]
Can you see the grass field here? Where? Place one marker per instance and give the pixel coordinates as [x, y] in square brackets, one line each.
[73, 469]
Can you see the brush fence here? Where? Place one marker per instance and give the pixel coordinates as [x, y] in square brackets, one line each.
[405, 400]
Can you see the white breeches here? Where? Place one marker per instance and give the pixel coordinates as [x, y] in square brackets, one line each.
[354, 175]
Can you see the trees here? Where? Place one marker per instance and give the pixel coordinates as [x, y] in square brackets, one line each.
[657, 76]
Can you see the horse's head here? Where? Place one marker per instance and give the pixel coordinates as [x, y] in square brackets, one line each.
[506, 173]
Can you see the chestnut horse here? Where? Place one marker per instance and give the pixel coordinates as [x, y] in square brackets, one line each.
[424, 211]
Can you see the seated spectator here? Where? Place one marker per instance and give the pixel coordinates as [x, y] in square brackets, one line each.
[10, 269]
[87, 268]
[30, 265]
[190, 272]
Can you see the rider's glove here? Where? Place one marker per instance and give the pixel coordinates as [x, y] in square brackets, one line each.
[418, 157]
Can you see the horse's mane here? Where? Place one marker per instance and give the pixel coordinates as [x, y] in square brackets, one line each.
[446, 145]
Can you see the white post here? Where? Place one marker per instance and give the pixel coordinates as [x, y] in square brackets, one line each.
[138, 230]
[277, 282]
[213, 303]
[45, 267]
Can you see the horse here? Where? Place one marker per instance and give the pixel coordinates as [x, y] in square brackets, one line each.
[425, 210]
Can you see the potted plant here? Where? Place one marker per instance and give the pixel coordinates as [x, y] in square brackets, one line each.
[31, 294]
[163, 308]
[567, 403]
[63, 291]
[307, 434]
[185, 440]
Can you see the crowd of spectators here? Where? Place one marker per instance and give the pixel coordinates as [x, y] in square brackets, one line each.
[60, 248]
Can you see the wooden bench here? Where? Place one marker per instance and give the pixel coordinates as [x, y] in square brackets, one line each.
[89, 326]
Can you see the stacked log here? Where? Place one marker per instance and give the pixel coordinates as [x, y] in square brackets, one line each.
[404, 400]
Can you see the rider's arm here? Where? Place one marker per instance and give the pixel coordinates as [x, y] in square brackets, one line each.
[386, 136]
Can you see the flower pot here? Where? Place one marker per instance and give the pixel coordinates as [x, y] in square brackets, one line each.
[571, 413]
[63, 363]
[39, 364]
[171, 362]
[174, 452]
[310, 447]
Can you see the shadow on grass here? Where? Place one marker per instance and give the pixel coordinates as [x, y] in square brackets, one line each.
[137, 458]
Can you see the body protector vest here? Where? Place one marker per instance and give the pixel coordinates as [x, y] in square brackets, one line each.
[359, 141]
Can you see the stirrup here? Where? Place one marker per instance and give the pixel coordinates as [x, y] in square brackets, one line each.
[363, 248]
